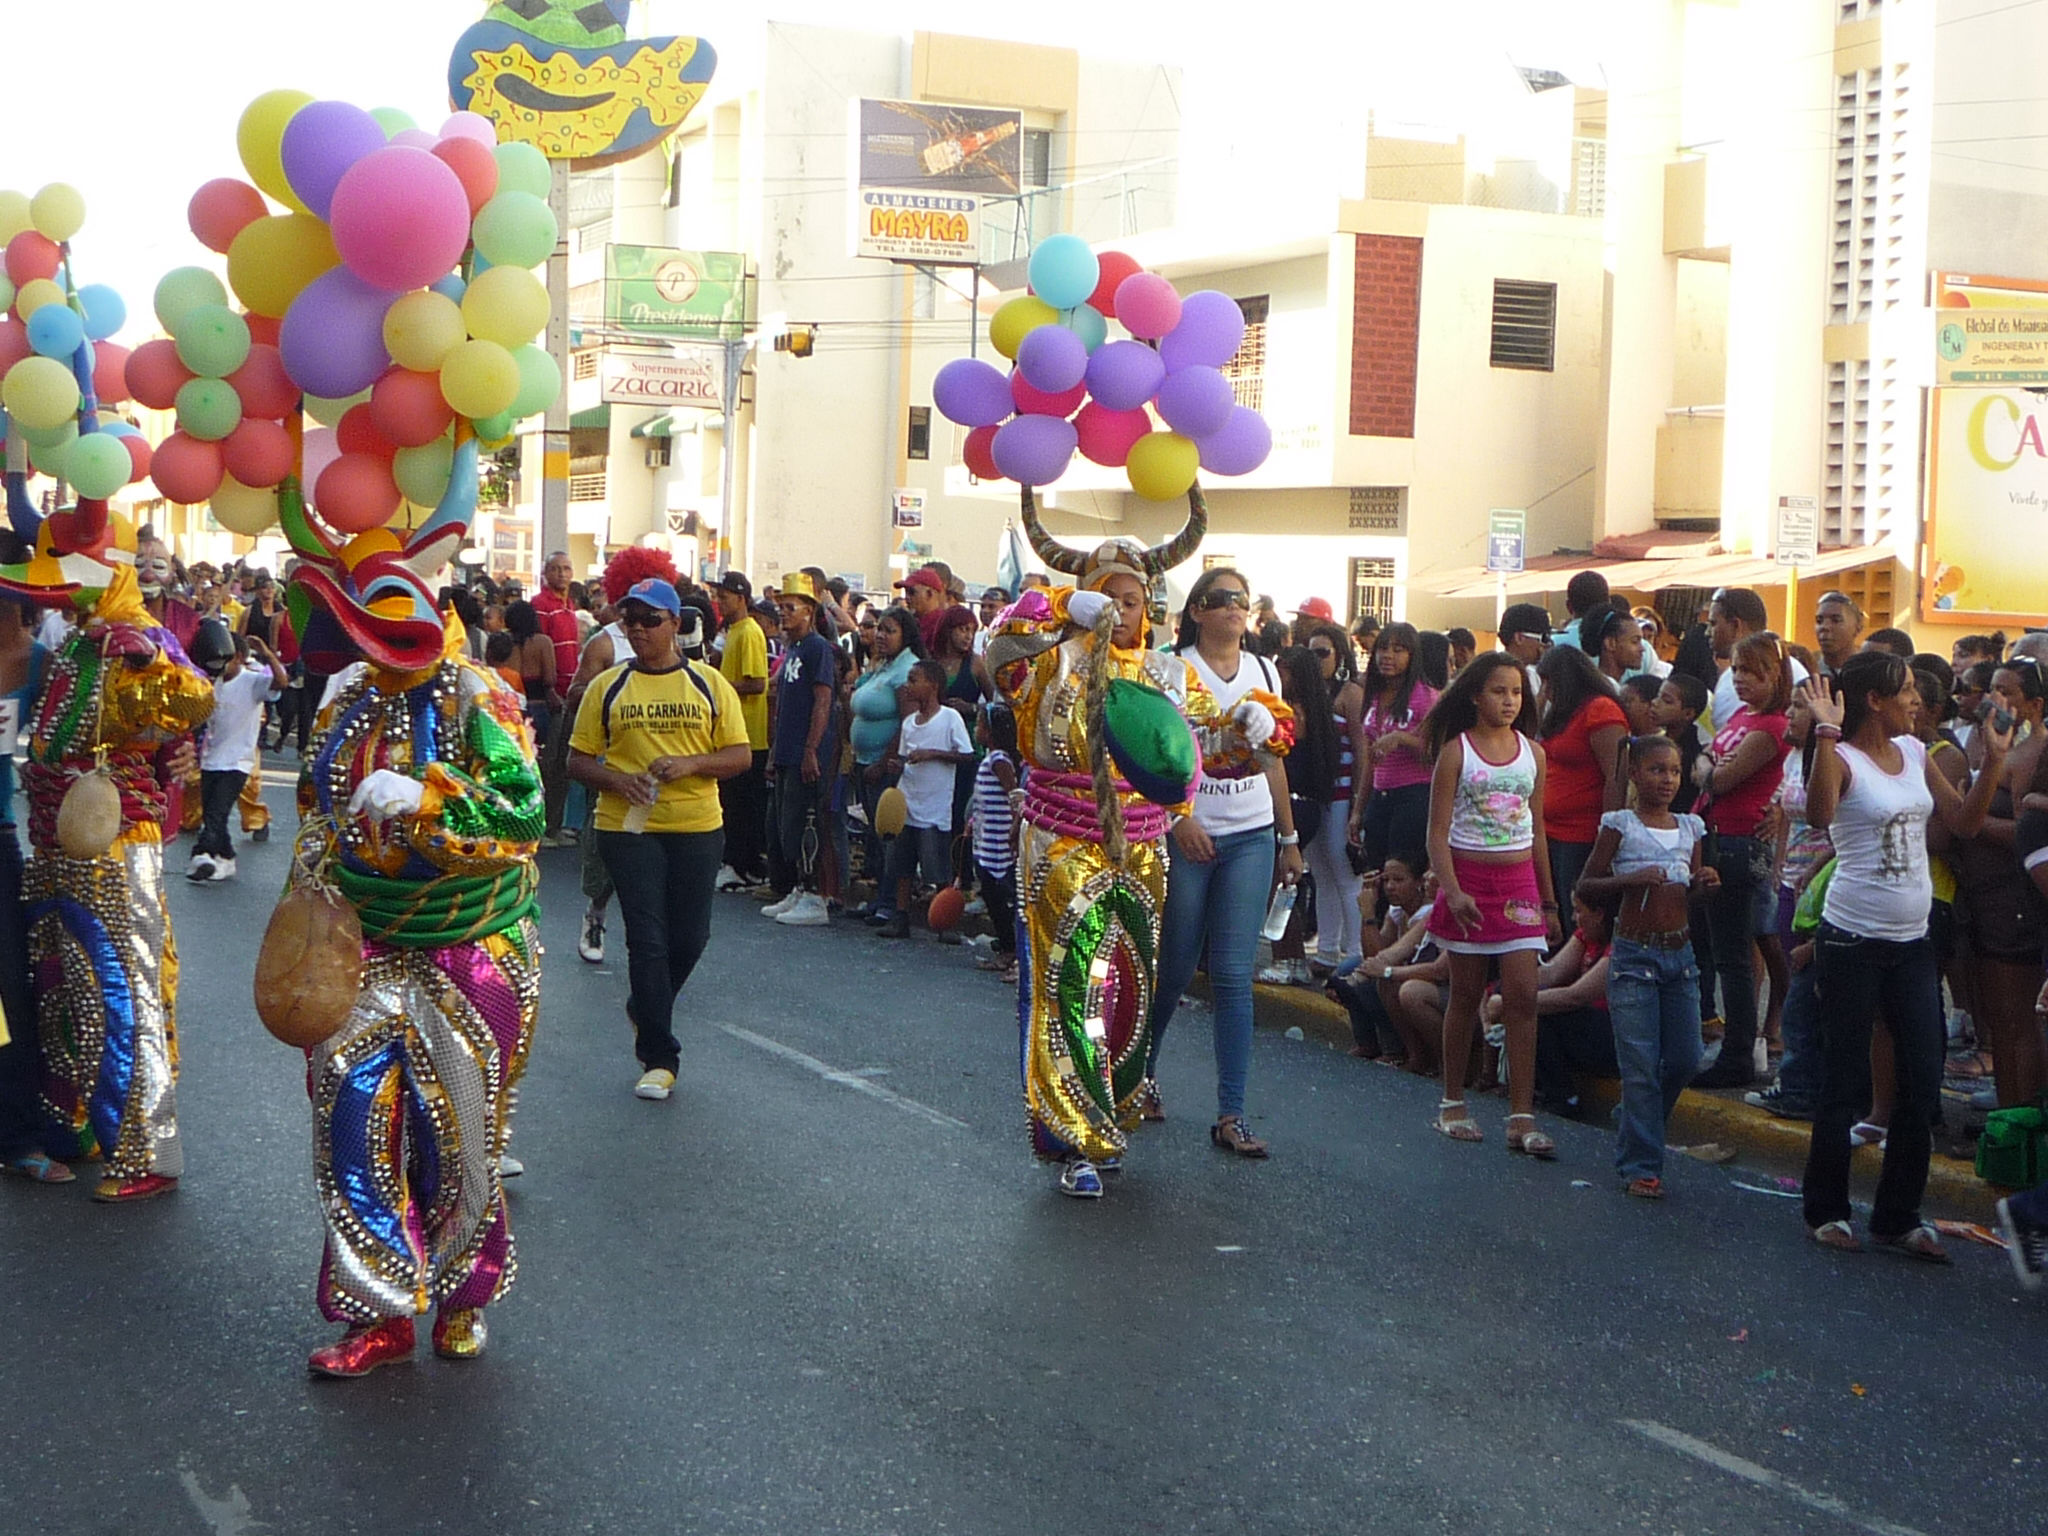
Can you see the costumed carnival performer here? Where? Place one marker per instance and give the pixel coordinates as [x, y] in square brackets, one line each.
[103, 963]
[420, 808]
[1104, 726]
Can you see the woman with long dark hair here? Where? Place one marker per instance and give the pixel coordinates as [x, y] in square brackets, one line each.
[1390, 803]
[534, 655]
[1874, 790]
[876, 719]
[1311, 777]
[1582, 727]
[1337, 883]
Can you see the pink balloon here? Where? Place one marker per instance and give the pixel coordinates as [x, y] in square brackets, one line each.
[400, 218]
[258, 453]
[1148, 305]
[414, 138]
[356, 493]
[470, 125]
[476, 166]
[320, 450]
[1107, 436]
[1033, 401]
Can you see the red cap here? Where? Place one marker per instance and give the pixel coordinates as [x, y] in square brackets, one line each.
[924, 578]
[1318, 608]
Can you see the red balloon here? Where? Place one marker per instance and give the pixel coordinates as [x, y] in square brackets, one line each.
[221, 210]
[978, 452]
[13, 343]
[109, 372]
[155, 376]
[139, 457]
[1115, 266]
[30, 256]
[356, 492]
[474, 166]
[407, 407]
[265, 389]
[1107, 436]
[358, 432]
[185, 469]
[263, 329]
[1033, 401]
[257, 453]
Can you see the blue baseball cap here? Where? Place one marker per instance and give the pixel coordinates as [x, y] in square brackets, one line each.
[655, 593]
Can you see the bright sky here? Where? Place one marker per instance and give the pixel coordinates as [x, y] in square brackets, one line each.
[135, 101]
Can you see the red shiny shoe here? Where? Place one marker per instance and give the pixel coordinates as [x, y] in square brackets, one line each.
[459, 1333]
[128, 1191]
[363, 1348]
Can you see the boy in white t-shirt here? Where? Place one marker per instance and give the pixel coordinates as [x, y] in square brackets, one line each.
[227, 751]
[929, 750]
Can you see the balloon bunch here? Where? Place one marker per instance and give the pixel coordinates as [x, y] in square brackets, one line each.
[394, 293]
[57, 365]
[1074, 388]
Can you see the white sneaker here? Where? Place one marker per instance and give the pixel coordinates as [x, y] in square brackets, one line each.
[728, 879]
[509, 1167]
[223, 869]
[590, 944]
[201, 868]
[809, 911]
[775, 909]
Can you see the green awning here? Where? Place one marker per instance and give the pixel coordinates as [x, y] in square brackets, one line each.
[659, 426]
[596, 416]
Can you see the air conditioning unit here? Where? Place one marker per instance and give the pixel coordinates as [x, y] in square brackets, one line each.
[657, 453]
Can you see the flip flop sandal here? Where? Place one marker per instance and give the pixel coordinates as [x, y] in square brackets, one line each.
[1837, 1235]
[1464, 1128]
[1532, 1142]
[39, 1169]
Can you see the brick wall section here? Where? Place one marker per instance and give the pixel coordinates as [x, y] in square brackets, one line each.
[1386, 323]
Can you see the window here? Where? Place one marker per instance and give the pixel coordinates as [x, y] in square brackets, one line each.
[919, 442]
[1524, 324]
[1247, 370]
[1372, 590]
[1035, 162]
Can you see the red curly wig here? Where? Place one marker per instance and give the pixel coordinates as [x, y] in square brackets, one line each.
[632, 564]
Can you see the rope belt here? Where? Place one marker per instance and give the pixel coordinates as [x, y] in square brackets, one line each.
[1064, 804]
[432, 914]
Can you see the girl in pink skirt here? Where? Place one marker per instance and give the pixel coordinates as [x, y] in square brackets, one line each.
[1495, 905]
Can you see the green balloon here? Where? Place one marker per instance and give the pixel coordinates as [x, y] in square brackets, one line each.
[49, 449]
[329, 412]
[422, 472]
[515, 229]
[392, 121]
[97, 465]
[184, 289]
[208, 409]
[540, 380]
[213, 341]
[494, 429]
[522, 168]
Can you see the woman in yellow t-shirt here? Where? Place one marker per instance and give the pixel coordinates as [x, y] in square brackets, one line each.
[653, 737]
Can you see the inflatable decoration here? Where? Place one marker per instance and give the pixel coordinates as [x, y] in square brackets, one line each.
[1155, 403]
[562, 77]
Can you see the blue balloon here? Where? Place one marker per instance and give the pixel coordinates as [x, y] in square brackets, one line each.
[119, 428]
[451, 287]
[1064, 271]
[54, 331]
[104, 312]
[1087, 323]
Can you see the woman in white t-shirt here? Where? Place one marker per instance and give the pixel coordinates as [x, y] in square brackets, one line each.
[1223, 856]
[1873, 791]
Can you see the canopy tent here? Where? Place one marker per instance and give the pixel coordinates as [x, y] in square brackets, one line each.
[1551, 573]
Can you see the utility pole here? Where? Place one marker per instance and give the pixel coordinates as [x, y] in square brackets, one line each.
[554, 472]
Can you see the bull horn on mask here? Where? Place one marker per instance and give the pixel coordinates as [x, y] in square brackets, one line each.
[1146, 563]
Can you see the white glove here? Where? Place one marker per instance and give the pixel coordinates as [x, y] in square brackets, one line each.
[1084, 608]
[1256, 721]
[385, 794]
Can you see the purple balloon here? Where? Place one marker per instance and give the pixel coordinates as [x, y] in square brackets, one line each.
[972, 393]
[1123, 375]
[1211, 330]
[322, 140]
[1196, 401]
[1034, 450]
[332, 339]
[1239, 446]
[1052, 358]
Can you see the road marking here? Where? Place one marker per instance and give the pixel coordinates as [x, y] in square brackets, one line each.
[227, 1517]
[853, 1080]
[1763, 1477]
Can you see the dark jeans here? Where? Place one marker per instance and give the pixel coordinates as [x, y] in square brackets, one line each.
[1567, 862]
[744, 799]
[1799, 1073]
[295, 709]
[1371, 1028]
[1000, 893]
[1396, 821]
[219, 789]
[1854, 974]
[1578, 1040]
[1732, 929]
[873, 848]
[794, 809]
[663, 881]
[20, 1126]
[913, 849]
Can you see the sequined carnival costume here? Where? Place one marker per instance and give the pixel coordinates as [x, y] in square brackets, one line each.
[1091, 854]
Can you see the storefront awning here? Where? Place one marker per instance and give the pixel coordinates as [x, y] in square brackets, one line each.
[659, 426]
[1551, 573]
[596, 417]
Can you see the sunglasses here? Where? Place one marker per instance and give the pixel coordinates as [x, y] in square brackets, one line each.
[648, 618]
[1222, 597]
[1322, 650]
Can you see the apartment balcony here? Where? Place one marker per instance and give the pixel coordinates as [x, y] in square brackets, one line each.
[1695, 224]
[1689, 465]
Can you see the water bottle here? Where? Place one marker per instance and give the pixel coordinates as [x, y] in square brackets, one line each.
[1278, 913]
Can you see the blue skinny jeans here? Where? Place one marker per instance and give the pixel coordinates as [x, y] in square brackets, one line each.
[1222, 903]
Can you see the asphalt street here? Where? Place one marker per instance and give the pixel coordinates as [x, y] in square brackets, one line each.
[826, 1289]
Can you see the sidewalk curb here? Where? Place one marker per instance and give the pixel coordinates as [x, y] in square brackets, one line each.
[1953, 1188]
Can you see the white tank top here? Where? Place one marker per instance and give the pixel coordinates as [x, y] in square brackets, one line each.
[1491, 811]
[1882, 887]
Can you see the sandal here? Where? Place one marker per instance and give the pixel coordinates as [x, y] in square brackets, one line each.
[1971, 1064]
[1865, 1134]
[1463, 1128]
[1532, 1142]
[38, 1168]
[1233, 1135]
[1647, 1188]
[1921, 1242]
[1836, 1235]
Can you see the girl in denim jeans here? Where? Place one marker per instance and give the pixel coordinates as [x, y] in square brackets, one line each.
[1648, 860]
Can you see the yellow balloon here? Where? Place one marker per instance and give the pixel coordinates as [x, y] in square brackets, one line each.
[58, 211]
[14, 215]
[244, 509]
[1010, 324]
[259, 137]
[421, 329]
[507, 305]
[273, 259]
[329, 412]
[479, 378]
[1162, 465]
[34, 294]
[41, 395]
